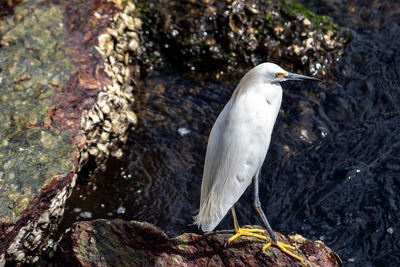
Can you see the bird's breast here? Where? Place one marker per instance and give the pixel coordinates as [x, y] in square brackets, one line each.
[259, 111]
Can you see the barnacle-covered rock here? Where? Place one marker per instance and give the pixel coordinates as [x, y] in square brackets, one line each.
[60, 102]
[239, 34]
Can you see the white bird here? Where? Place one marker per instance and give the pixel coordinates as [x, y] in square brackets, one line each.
[237, 147]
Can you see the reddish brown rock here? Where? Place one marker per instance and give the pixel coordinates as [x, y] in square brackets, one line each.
[51, 77]
[122, 243]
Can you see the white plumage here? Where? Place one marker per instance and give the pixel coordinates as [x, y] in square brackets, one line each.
[239, 142]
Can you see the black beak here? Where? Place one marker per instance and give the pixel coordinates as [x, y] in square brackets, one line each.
[298, 77]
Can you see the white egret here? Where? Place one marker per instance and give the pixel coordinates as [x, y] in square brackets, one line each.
[237, 147]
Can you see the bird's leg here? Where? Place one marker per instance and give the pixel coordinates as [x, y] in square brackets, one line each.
[241, 231]
[273, 241]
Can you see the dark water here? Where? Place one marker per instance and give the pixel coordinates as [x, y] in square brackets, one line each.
[333, 168]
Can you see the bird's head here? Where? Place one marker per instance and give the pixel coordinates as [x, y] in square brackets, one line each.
[272, 73]
[265, 75]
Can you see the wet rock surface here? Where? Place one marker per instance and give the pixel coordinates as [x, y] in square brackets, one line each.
[358, 14]
[52, 82]
[237, 34]
[122, 243]
[67, 71]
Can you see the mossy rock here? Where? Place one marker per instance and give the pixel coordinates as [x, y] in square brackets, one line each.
[48, 61]
[122, 243]
[221, 36]
[34, 64]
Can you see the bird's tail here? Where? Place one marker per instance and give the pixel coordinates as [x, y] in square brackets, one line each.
[209, 215]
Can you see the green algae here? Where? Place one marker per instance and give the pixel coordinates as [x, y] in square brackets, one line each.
[316, 20]
[30, 160]
[34, 66]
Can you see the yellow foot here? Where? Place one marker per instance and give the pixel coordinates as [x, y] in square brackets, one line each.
[283, 248]
[248, 232]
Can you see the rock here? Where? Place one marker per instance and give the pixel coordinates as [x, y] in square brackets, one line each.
[51, 77]
[59, 60]
[122, 243]
[240, 34]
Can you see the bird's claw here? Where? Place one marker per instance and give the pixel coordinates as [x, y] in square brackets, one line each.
[251, 232]
[283, 248]
[246, 232]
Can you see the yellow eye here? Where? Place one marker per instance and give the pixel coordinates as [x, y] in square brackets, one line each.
[280, 75]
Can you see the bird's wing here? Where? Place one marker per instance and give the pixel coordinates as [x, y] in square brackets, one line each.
[235, 152]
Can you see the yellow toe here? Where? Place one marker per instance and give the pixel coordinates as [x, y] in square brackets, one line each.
[247, 232]
[283, 247]
[253, 232]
